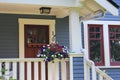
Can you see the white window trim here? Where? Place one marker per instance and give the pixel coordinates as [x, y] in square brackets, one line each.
[22, 22]
[105, 39]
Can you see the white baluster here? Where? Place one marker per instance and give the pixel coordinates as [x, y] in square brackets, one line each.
[55, 71]
[7, 66]
[100, 77]
[88, 72]
[63, 70]
[0, 69]
[14, 70]
[43, 71]
[22, 71]
[50, 71]
[29, 71]
[36, 71]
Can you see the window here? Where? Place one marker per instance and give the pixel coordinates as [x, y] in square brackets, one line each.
[114, 41]
[95, 40]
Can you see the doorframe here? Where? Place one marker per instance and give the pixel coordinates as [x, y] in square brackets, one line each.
[23, 21]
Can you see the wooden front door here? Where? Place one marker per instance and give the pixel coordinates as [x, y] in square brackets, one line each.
[35, 36]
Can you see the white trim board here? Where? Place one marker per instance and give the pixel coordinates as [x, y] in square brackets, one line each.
[22, 22]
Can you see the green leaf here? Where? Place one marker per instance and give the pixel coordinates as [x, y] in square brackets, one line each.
[4, 70]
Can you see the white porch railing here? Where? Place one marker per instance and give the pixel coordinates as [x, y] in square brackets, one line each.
[37, 69]
[95, 73]
[34, 69]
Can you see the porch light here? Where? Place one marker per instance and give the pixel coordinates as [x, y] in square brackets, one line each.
[45, 10]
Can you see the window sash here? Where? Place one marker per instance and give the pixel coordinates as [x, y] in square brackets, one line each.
[95, 40]
[114, 42]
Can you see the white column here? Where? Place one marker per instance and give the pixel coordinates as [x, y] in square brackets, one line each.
[74, 32]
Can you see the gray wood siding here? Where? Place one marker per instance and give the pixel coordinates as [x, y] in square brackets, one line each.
[9, 33]
[62, 31]
[113, 72]
[78, 68]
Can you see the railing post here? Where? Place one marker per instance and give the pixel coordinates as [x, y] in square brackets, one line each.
[71, 67]
[86, 67]
[93, 72]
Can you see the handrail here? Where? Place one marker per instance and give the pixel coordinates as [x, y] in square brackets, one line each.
[26, 59]
[97, 70]
[24, 67]
[103, 74]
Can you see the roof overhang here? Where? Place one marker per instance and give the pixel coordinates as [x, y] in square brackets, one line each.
[59, 8]
[109, 5]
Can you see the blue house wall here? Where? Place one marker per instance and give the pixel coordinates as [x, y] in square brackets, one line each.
[113, 72]
[9, 32]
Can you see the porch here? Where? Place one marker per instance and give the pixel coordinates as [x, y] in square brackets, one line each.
[76, 67]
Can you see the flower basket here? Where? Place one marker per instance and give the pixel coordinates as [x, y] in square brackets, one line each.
[53, 51]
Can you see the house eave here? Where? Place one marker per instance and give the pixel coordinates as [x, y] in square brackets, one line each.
[109, 6]
[59, 8]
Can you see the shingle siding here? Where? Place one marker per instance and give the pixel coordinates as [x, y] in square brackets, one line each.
[9, 32]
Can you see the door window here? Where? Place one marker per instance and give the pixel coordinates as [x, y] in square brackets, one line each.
[35, 37]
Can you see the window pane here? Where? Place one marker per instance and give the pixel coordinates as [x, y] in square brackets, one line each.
[42, 36]
[111, 29]
[97, 29]
[95, 52]
[118, 29]
[92, 35]
[112, 36]
[98, 35]
[91, 29]
[115, 50]
[118, 36]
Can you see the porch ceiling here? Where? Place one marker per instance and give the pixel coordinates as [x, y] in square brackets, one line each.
[84, 7]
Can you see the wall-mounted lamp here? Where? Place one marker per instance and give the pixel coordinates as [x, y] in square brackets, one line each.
[45, 10]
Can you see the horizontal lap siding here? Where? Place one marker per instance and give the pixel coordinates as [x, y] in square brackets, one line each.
[78, 68]
[113, 72]
[8, 36]
[9, 32]
[62, 31]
